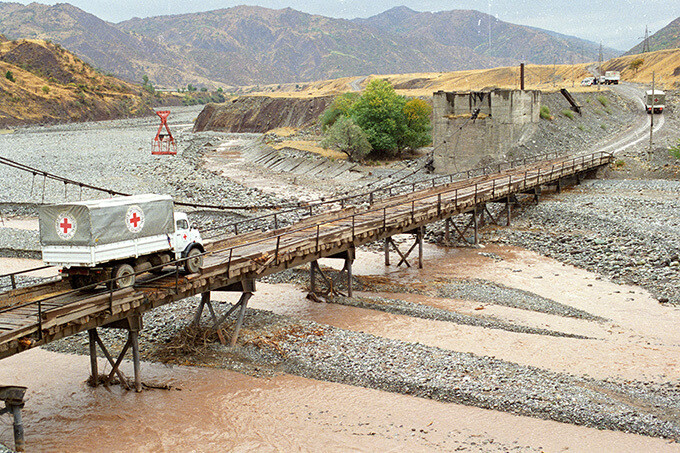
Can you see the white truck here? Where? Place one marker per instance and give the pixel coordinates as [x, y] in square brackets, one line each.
[114, 238]
[612, 77]
[655, 100]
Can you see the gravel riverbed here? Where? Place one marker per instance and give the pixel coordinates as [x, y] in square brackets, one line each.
[621, 229]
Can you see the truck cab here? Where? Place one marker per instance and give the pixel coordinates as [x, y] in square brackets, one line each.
[186, 241]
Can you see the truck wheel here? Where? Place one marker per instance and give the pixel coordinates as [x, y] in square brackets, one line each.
[193, 263]
[126, 274]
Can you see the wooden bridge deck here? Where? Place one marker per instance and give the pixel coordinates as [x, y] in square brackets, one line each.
[40, 314]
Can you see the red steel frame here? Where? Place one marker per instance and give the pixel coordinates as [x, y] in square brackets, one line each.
[163, 143]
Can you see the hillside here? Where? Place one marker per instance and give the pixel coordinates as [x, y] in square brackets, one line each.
[247, 45]
[664, 64]
[41, 82]
[664, 39]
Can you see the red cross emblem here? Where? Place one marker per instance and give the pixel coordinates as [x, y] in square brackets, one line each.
[65, 226]
[134, 219]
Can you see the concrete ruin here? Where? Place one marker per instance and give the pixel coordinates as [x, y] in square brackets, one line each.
[472, 129]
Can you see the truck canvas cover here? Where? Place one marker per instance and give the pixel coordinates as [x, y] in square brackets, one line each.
[98, 222]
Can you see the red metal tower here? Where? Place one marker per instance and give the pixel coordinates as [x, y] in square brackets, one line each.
[163, 143]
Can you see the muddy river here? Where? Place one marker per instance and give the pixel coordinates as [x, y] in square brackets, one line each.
[217, 410]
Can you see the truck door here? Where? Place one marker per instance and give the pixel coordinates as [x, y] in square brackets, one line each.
[182, 236]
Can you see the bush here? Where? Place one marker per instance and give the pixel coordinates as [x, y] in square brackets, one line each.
[46, 89]
[341, 106]
[545, 113]
[345, 136]
[603, 100]
[674, 151]
[568, 113]
[9, 76]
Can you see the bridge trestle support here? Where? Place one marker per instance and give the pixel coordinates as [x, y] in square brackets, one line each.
[13, 396]
[133, 324]
[349, 256]
[418, 235]
[246, 288]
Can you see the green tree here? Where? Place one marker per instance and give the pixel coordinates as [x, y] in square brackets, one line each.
[341, 106]
[380, 113]
[417, 113]
[636, 64]
[345, 136]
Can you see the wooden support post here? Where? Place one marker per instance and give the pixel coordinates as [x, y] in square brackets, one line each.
[134, 339]
[18, 428]
[205, 300]
[349, 259]
[244, 302]
[447, 231]
[476, 225]
[312, 276]
[559, 185]
[94, 370]
[421, 233]
[387, 250]
[508, 207]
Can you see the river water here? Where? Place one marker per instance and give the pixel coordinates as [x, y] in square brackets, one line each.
[218, 410]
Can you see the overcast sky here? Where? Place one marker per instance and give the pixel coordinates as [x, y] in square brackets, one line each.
[617, 24]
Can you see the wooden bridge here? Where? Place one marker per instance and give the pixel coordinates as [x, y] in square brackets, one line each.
[40, 314]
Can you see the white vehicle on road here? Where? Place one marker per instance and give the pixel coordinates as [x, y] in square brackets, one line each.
[655, 100]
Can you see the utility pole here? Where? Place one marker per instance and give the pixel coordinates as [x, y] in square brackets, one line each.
[645, 43]
[599, 69]
[651, 117]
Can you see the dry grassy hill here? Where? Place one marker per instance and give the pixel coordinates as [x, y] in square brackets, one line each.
[664, 64]
[40, 82]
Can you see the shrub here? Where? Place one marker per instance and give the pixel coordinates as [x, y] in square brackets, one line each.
[603, 100]
[603, 127]
[46, 89]
[345, 136]
[545, 113]
[568, 113]
[674, 151]
[9, 76]
[341, 106]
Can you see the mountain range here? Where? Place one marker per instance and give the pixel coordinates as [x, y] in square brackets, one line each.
[247, 45]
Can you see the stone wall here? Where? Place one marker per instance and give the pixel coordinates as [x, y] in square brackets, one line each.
[504, 118]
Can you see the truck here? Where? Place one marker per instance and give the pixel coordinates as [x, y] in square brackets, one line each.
[612, 77]
[655, 100]
[98, 241]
